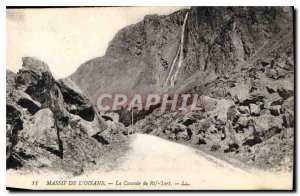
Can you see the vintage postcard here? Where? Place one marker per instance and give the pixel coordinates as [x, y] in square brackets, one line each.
[150, 98]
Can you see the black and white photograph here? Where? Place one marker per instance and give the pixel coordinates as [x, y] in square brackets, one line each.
[150, 98]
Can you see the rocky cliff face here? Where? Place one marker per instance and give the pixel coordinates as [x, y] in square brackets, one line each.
[51, 124]
[215, 40]
[239, 59]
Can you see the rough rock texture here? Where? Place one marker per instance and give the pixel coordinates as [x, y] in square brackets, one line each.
[239, 59]
[252, 120]
[216, 41]
[76, 102]
[51, 123]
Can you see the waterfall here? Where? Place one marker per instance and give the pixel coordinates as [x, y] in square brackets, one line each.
[177, 62]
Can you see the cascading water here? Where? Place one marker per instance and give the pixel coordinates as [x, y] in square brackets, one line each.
[177, 62]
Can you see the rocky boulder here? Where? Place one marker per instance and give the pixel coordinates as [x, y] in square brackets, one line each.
[111, 116]
[25, 101]
[77, 103]
[50, 123]
[222, 108]
[42, 130]
[241, 92]
[10, 81]
[114, 133]
[209, 103]
[35, 79]
[267, 125]
[254, 109]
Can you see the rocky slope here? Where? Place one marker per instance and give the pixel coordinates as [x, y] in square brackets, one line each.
[247, 115]
[239, 59]
[51, 124]
[215, 40]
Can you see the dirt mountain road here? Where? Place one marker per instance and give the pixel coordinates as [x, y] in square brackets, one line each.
[162, 164]
[155, 158]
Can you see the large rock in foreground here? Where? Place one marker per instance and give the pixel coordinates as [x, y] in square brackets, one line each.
[49, 123]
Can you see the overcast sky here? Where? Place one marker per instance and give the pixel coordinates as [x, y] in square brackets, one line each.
[66, 38]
